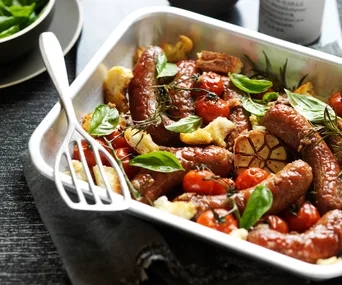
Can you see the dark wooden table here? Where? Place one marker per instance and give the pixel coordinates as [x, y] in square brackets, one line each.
[27, 254]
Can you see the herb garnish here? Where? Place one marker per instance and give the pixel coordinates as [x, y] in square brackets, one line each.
[104, 120]
[186, 125]
[160, 161]
[253, 107]
[310, 107]
[165, 68]
[258, 204]
[252, 86]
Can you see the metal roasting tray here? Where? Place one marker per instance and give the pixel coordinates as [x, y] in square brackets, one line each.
[153, 26]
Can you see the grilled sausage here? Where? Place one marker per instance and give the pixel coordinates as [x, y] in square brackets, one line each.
[322, 240]
[143, 97]
[237, 114]
[181, 99]
[153, 184]
[335, 144]
[285, 123]
[287, 186]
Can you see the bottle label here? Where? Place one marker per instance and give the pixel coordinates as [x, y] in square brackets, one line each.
[298, 21]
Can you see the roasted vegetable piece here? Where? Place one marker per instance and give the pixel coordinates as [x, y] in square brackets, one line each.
[117, 139]
[178, 51]
[301, 220]
[210, 81]
[211, 108]
[218, 62]
[259, 149]
[218, 219]
[115, 86]
[278, 224]
[335, 102]
[88, 153]
[322, 240]
[250, 177]
[199, 181]
[125, 154]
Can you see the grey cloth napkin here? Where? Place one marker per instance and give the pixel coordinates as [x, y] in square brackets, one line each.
[117, 248]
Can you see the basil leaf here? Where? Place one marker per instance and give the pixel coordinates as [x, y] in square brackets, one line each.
[186, 125]
[254, 86]
[160, 161]
[253, 107]
[270, 96]
[309, 107]
[104, 120]
[161, 62]
[164, 68]
[258, 204]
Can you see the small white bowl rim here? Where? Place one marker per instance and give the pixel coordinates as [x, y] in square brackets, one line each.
[46, 11]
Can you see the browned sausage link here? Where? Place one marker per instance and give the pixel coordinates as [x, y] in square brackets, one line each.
[287, 186]
[239, 117]
[155, 184]
[335, 144]
[143, 96]
[285, 123]
[181, 99]
[237, 114]
[323, 240]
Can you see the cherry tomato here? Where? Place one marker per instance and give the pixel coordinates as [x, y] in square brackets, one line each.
[198, 181]
[209, 109]
[301, 221]
[88, 153]
[117, 138]
[222, 185]
[218, 219]
[210, 81]
[124, 154]
[278, 224]
[250, 177]
[335, 102]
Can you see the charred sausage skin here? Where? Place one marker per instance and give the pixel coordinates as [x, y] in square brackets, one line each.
[181, 99]
[287, 186]
[153, 184]
[322, 240]
[285, 123]
[237, 113]
[143, 97]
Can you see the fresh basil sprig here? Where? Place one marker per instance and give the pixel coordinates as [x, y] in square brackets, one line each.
[253, 107]
[252, 86]
[310, 107]
[258, 204]
[160, 161]
[165, 68]
[186, 125]
[270, 96]
[104, 120]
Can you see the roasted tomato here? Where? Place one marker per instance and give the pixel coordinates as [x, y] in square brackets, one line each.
[210, 81]
[117, 138]
[125, 154]
[304, 219]
[335, 102]
[199, 181]
[209, 109]
[88, 153]
[250, 177]
[278, 224]
[218, 219]
[223, 185]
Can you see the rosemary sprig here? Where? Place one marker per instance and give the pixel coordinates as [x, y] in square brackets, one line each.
[279, 82]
